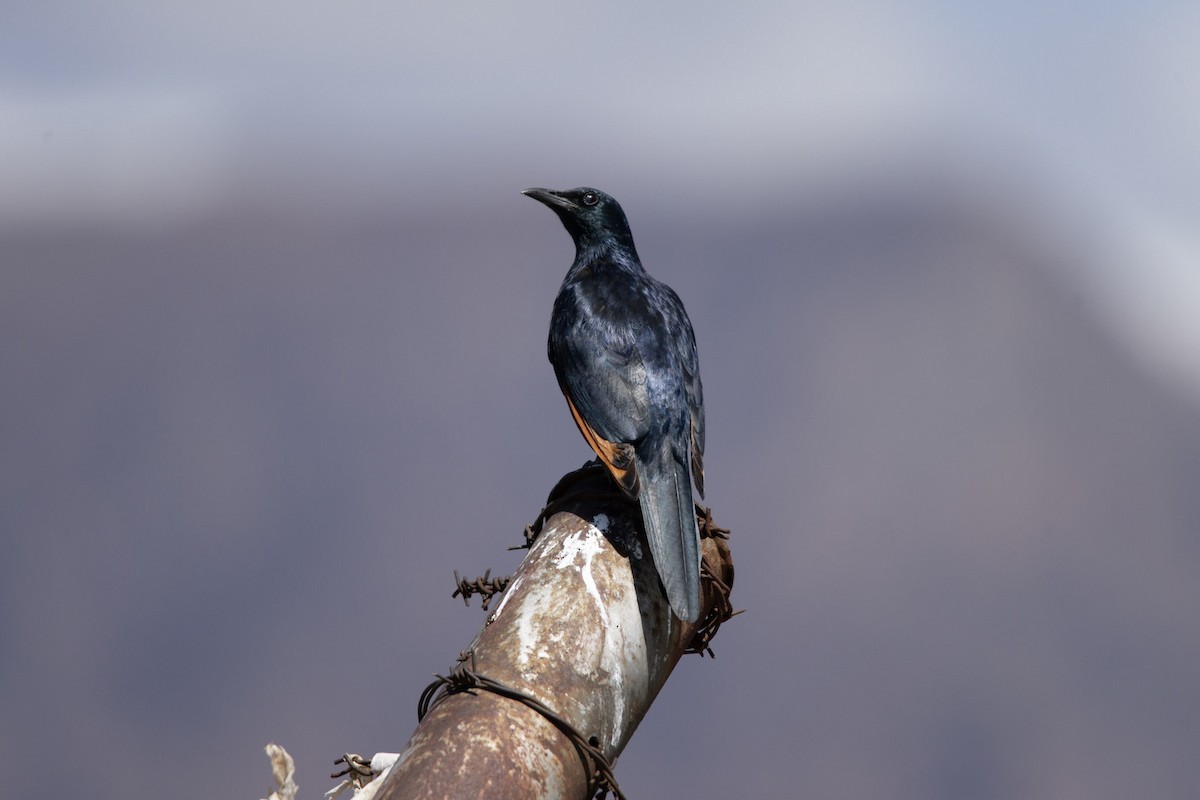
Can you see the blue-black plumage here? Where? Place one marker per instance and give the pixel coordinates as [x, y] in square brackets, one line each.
[624, 353]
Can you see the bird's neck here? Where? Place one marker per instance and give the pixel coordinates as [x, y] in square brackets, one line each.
[609, 253]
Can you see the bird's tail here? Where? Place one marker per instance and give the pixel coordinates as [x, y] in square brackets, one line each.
[670, 521]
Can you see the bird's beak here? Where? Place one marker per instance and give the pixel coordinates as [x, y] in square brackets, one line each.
[552, 199]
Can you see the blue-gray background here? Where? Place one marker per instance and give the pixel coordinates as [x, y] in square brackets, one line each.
[272, 320]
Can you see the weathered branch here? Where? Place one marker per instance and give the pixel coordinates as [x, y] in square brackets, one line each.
[583, 630]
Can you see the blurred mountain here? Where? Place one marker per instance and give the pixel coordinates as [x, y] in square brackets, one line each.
[969, 524]
[242, 458]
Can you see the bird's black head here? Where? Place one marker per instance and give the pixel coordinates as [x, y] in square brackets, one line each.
[592, 218]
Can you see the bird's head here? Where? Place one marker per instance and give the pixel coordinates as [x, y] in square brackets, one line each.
[593, 218]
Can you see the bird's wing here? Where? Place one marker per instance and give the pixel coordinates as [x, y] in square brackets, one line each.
[617, 456]
[695, 399]
[688, 361]
[605, 387]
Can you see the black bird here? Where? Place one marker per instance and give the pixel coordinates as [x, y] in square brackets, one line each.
[625, 357]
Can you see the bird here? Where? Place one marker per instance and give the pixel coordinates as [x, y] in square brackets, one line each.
[624, 353]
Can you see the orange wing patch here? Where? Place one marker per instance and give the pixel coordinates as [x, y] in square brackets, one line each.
[618, 457]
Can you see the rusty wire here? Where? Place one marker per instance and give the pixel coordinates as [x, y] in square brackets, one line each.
[601, 780]
[721, 610]
[707, 525]
[485, 586]
[720, 613]
[358, 768]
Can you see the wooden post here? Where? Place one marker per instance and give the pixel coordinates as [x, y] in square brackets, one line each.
[585, 629]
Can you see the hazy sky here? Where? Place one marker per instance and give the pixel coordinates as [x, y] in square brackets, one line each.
[138, 113]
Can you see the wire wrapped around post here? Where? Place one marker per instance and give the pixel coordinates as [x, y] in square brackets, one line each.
[583, 631]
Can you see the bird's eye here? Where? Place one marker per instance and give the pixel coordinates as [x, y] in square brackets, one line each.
[590, 199]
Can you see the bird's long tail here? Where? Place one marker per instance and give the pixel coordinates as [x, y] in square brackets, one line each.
[670, 521]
